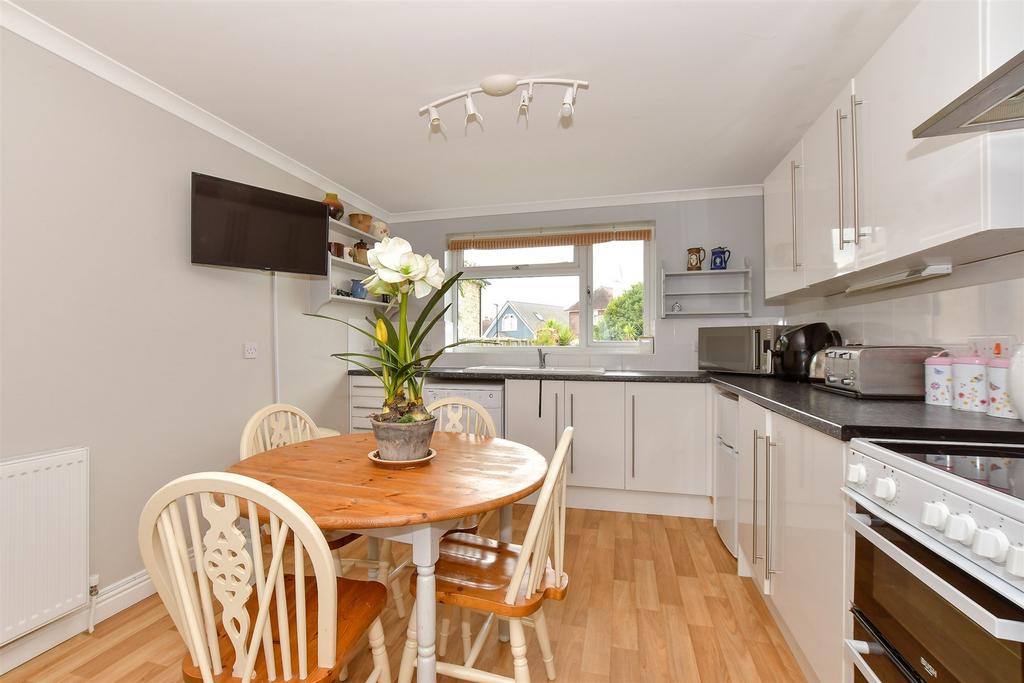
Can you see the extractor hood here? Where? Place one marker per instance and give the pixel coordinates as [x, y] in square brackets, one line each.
[994, 103]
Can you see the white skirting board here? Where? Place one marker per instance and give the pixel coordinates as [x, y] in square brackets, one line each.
[111, 600]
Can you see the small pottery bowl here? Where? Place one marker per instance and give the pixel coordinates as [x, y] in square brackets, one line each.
[360, 221]
[379, 229]
[336, 249]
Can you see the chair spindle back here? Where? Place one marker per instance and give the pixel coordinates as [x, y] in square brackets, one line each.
[276, 425]
[462, 415]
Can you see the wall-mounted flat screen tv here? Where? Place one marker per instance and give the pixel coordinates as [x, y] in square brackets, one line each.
[249, 227]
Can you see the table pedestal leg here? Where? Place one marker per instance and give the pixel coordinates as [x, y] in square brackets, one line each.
[424, 555]
[372, 554]
[504, 534]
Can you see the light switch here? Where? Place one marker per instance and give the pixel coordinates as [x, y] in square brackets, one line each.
[249, 350]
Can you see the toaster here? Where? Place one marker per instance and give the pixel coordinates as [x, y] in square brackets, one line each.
[877, 371]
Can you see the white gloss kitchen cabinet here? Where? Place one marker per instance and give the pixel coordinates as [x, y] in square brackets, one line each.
[805, 514]
[897, 195]
[783, 208]
[791, 514]
[634, 436]
[666, 438]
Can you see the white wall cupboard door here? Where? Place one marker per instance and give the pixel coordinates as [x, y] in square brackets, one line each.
[806, 547]
[535, 413]
[826, 233]
[918, 193]
[750, 492]
[783, 198]
[597, 455]
[666, 438]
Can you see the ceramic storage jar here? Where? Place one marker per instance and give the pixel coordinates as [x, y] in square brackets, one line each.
[938, 381]
[970, 389]
[999, 404]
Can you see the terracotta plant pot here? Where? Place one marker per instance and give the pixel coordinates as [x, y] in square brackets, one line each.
[360, 221]
[403, 441]
[335, 209]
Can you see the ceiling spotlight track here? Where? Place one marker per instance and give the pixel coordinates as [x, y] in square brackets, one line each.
[500, 85]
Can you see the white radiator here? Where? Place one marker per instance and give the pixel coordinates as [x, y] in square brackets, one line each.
[44, 539]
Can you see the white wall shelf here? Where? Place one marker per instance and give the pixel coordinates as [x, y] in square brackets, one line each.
[696, 293]
[344, 228]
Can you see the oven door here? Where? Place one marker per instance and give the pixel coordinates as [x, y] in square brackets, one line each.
[932, 620]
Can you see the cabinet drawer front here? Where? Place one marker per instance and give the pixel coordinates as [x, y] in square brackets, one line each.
[361, 424]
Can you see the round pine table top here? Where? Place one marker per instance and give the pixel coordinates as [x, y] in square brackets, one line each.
[334, 481]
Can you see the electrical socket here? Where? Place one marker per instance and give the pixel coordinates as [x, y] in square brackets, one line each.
[249, 350]
[993, 346]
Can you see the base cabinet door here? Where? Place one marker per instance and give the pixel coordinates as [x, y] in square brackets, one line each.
[597, 453]
[805, 548]
[535, 413]
[666, 438]
[750, 491]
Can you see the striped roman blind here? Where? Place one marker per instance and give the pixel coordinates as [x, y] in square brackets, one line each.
[577, 238]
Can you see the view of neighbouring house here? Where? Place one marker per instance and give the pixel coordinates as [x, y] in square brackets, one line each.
[600, 299]
[522, 320]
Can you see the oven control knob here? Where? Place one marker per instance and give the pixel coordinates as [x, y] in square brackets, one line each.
[961, 527]
[1015, 560]
[856, 473]
[935, 515]
[885, 488]
[992, 544]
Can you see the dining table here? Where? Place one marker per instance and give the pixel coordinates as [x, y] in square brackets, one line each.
[336, 482]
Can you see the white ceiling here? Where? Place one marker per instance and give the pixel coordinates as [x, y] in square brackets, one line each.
[683, 94]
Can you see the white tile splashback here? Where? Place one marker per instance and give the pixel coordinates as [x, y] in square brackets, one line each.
[943, 318]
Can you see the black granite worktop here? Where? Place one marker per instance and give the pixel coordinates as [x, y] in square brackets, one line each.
[847, 418]
[840, 417]
[553, 374]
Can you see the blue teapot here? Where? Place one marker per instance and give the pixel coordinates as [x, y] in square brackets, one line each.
[720, 258]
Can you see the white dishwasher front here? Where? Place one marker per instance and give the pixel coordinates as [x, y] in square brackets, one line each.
[489, 395]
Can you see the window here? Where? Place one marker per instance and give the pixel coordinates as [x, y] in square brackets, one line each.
[594, 291]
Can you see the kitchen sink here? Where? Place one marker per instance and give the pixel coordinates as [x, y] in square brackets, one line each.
[524, 370]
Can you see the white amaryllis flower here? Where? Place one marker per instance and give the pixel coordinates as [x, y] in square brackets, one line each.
[387, 255]
[396, 267]
[434, 277]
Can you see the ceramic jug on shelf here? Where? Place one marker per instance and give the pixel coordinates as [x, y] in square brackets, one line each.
[695, 258]
[720, 258]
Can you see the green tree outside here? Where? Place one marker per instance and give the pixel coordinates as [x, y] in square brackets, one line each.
[623, 320]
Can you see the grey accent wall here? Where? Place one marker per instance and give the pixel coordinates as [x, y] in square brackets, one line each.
[109, 337]
[736, 223]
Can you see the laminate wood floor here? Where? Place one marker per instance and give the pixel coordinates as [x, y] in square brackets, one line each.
[651, 598]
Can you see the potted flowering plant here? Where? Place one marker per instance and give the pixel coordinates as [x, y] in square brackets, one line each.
[403, 427]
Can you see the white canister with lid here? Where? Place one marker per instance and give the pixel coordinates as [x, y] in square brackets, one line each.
[938, 381]
[970, 388]
[999, 404]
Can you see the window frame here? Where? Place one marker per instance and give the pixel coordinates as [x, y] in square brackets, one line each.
[582, 267]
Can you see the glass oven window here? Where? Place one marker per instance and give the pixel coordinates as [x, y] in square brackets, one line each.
[939, 641]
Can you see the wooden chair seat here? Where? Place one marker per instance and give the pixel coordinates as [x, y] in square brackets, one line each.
[475, 572]
[359, 603]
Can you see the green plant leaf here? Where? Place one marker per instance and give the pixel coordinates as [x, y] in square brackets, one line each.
[438, 295]
[426, 330]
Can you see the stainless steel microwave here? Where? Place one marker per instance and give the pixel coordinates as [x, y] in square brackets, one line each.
[743, 349]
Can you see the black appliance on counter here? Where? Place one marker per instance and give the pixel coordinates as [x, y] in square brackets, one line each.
[796, 346]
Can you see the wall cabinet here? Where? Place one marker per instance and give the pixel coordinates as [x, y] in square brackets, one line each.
[858, 174]
[783, 208]
[629, 436]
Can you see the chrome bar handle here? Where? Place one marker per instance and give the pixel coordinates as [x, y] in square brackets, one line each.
[572, 418]
[556, 419]
[793, 165]
[753, 543]
[632, 422]
[854, 103]
[839, 168]
[768, 507]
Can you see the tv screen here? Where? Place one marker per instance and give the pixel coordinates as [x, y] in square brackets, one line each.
[249, 227]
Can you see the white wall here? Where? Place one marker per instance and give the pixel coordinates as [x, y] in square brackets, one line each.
[736, 223]
[984, 298]
[109, 337]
